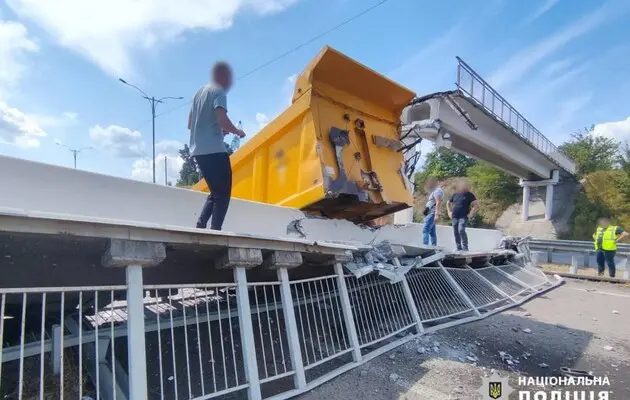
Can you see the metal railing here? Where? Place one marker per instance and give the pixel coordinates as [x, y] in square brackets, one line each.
[477, 89]
[571, 245]
[245, 339]
[54, 339]
[577, 253]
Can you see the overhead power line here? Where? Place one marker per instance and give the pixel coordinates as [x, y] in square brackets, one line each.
[293, 50]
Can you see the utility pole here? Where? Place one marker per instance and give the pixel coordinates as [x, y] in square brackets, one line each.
[165, 171]
[153, 102]
[74, 152]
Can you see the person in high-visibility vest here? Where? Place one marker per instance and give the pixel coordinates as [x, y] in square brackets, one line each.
[606, 238]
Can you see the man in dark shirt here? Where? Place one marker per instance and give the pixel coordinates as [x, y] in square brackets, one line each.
[461, 207]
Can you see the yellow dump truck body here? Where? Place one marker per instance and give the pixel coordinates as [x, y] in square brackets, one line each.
[335, 150]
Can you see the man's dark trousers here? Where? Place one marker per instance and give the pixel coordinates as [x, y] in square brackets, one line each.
[608, 257]
[217, 171]
[459, 230]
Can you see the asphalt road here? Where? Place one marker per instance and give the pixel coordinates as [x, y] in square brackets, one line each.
[573, 326]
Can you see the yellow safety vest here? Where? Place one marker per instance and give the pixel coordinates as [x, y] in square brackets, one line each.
[609, 238]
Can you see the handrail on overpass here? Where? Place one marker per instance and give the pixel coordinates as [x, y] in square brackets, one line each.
[473, 85]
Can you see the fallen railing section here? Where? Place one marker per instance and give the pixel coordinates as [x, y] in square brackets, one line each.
[270, 337]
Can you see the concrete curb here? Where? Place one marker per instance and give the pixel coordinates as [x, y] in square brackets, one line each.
[588, 278]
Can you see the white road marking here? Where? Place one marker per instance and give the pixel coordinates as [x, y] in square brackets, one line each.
[598, 292]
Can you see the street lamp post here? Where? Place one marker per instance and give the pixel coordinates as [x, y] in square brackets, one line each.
[74, 152]
[153, 102]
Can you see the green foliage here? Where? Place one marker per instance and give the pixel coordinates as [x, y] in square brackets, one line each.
[591, 152]
[624, 158]
[624, 165]
[603, 196]
[442, 164]
[189, 175]
[492, 183]
[495, 190]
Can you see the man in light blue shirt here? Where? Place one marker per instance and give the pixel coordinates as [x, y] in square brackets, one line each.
[432, 211]
[208, 123]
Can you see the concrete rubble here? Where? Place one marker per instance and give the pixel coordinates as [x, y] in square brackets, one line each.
[390, 261]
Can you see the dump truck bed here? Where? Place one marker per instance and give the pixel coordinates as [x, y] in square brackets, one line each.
[335, 150]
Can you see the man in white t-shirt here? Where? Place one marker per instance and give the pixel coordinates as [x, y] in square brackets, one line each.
[432, 211]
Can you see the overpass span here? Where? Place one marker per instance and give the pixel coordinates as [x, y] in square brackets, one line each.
[475, 120]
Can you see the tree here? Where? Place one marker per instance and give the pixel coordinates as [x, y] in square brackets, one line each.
[443, 163]
[493, 183]
[624, 158]
[624, 165]
[603, 196]
[591, 152]
[189, 174]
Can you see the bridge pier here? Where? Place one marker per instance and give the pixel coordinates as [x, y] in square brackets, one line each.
[525, 202]
[549, 183]
[549, 201]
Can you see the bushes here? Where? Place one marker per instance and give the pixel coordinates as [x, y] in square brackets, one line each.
[604, 194]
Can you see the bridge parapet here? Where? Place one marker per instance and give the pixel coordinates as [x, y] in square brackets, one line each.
[480, 91]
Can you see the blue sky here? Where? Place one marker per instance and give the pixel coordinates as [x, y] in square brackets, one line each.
[562, 63]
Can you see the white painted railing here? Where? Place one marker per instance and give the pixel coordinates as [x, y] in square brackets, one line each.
[267, 339]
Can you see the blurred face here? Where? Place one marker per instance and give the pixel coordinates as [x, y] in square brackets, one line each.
[604, 222]
[431, 183]
[462, 187]
[223, 77]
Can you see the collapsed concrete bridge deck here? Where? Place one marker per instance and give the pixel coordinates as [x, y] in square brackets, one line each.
[105, 285]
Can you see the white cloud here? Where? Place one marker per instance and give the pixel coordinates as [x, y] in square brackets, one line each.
[110, 32]
[15, 45]
[142, 169]
[118, 141]
[523, 61]
[618, 130]
[262, 120]
[540, 11]
[63, 120]
[17, 128]
[169, 147]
